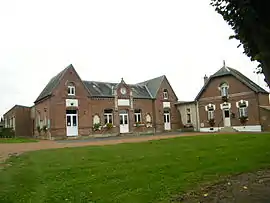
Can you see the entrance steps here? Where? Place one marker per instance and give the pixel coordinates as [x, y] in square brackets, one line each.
[228, 130]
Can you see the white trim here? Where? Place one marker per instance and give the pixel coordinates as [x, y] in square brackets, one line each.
[165, 94]
[107, 117]
[137, 116]
[248, 128]
[71, 90]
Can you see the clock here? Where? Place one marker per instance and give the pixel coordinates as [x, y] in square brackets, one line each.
[123, 90]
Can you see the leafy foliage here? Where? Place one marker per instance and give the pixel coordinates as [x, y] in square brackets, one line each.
[96, 126]
[251, 23]
[109, 125]
[7, 133]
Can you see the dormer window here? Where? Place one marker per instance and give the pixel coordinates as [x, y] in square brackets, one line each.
[71, 89]
[165, 94]
[224, 89]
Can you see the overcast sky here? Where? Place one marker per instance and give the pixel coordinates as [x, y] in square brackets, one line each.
[109, 39]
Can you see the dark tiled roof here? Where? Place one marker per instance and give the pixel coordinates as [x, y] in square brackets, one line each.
[153, 85]
[144, 90]
[105, 89]
[224, 71]
[47, 91]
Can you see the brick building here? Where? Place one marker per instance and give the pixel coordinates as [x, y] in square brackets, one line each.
[19, 118]
[229, 100]
[69, 106]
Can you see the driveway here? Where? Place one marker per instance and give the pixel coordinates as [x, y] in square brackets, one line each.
[7, 150]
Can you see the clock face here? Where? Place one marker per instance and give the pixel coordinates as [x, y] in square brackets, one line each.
[123, 90]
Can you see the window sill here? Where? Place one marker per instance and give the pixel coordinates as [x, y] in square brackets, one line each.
[138, 125]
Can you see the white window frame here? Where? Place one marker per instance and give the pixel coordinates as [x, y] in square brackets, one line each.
[71, 90]
[107, 117]
[137, 116]
[165, 94]
[188, 115]
[242, 110]
[210, 114]
[224, 89]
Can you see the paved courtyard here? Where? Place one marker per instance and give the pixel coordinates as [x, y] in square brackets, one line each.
[7, 150]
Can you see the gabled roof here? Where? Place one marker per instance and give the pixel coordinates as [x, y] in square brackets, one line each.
[47, 91]
[227, 71]
[153, 85]
[145, 90]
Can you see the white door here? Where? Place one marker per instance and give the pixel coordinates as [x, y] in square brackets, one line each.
[124, 126]
[167, 121]
[226, 117]
[72, 124]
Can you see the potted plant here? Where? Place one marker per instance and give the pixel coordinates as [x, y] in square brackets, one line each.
[211, 122]
[97, 126]
[39, 130]
[243, 120]
[109, 125]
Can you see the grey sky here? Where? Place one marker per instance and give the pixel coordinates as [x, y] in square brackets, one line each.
[106, 40]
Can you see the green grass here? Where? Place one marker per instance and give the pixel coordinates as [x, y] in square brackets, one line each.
[16, 140]
[149, 172]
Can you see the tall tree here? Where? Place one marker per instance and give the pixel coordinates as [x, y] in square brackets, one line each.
[251, 24]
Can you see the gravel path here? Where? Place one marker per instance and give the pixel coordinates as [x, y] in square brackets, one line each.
[7, 150]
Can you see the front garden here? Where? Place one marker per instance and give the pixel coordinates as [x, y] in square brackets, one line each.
[155, 171]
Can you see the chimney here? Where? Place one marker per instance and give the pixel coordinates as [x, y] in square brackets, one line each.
[205, 78]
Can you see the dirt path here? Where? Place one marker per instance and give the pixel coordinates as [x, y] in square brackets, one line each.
[244, 188]
[7, 150]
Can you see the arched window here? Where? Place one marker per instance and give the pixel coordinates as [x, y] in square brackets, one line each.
[210, 108]
[242, 106]
[165, 94]
[71, 89]
[224, 89]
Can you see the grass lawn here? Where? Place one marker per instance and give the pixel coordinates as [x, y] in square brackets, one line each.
[16, 140]
[150, 172]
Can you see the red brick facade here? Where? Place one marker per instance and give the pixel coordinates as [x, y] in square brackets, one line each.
[237, 91]
[19, 119]
[53, 108]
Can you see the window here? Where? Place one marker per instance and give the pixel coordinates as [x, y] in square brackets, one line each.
[210, 108]
[210, 114]
[242, 109]
[71, 90]
[137, 116]
[165, 94]
[224, 89]
[188, 116]
[108, 116]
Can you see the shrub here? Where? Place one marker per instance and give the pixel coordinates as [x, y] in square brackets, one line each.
[39, 130]
[7, 133]
[96, 126]
[109, 125]
[45, 129]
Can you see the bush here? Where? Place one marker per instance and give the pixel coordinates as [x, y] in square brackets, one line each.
[96, 126]
[7, 133]
[109, 125]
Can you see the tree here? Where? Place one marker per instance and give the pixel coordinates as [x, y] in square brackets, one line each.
[251, 24]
